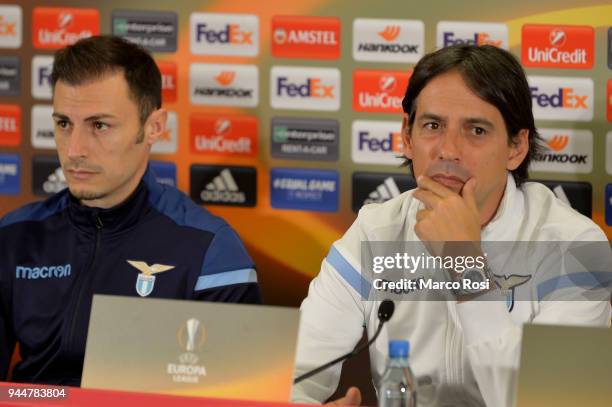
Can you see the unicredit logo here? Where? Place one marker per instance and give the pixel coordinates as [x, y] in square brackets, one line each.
[312, 88]
[379, 91]
[564, 98]
[58, 27]
[236, 135]
[387, 83]
[230, 34]
[557, 37]
[557, 47]
[64, 20]
[219, 143]
[553, 54]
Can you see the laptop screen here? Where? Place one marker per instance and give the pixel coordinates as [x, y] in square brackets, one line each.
[191, 348]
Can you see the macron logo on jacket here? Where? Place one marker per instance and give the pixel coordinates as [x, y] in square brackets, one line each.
[34, 273]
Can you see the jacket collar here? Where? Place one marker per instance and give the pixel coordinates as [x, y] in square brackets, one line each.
[112, 220]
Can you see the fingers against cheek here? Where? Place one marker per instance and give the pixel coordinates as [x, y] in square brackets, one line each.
[422, 214]
[427, 197]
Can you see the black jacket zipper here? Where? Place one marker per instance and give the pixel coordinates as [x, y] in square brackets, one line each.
[99, 226]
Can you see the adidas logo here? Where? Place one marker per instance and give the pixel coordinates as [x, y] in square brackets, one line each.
[385, 191]
[56, 181]
[223, 188]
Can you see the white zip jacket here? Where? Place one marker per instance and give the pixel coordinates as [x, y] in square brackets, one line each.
[470, 350]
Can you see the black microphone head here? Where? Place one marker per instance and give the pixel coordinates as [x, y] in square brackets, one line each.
[385, 310]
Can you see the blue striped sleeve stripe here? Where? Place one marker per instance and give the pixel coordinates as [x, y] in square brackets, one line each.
[587, 280]
[241, 276]
[348, 272]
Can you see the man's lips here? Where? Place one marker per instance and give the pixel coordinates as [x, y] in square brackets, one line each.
[448, 180]
[81, 174]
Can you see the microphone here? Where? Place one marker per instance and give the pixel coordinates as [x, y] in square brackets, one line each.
[385, 312]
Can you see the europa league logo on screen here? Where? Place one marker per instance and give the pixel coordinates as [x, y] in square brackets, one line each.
[191, 337]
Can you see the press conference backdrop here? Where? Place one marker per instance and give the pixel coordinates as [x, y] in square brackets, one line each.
[285, 116]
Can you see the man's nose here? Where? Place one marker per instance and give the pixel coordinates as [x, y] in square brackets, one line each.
[77, 145]
[449, 147]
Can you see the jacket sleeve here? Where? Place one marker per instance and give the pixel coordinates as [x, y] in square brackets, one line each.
[493, 339]
[331, 320]
[228, 273]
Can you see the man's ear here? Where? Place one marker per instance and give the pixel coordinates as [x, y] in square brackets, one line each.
[406, 141]
[155, 127]
[518, 149]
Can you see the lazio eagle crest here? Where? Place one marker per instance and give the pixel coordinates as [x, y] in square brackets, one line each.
[146, 278]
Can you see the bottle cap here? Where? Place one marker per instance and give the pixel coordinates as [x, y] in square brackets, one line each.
[399, 349]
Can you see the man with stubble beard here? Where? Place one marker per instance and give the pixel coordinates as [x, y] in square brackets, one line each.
[468, 136]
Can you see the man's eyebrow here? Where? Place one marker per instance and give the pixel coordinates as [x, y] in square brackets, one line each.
[100, 116]
[95, 117]
[430, 116]
[480, 120]
[60, 116]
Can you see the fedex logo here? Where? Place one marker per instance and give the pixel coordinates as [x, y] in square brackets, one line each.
[42, 66]
[224, 136]
[379, 40]
[563, 97]
[313, 87]
[565, 150]
[169, 80]
[10, 123]
[305, 37]
[392, 142]
[305, 88]
[379, 91]
[376, 142]
[556, 98]
[471, 33]
[224, 34]
[230, 34]
[57, 27]
[10, 26]
[550, 46]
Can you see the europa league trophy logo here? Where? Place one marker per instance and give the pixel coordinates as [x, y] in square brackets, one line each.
[191, 337]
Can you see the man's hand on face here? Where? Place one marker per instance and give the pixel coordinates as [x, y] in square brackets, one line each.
[447, 216]
[351, 398]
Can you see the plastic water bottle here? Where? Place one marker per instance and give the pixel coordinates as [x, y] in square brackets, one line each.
[397, 386]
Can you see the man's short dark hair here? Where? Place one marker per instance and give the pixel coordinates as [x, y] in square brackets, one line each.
[91, 58]
[491, 73]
